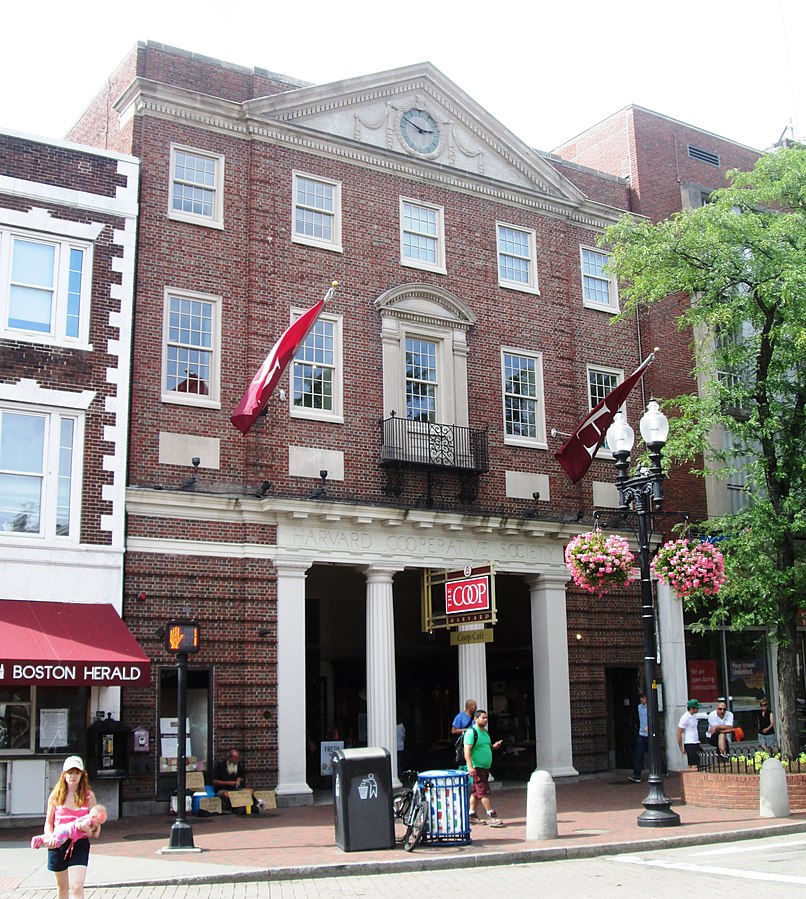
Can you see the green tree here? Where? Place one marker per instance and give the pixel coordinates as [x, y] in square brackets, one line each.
[741, 259]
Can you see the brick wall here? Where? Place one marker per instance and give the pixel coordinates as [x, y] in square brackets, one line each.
[63, 368]
[701, 788]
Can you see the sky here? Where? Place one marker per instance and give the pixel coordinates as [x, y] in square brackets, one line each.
[545, 69]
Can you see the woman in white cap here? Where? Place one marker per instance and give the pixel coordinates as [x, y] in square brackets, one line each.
[71, 799]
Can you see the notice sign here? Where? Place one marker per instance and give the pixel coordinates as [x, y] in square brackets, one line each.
[468, 595]
[702, 680]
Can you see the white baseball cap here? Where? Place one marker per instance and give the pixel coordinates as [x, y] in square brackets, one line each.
[73, 762]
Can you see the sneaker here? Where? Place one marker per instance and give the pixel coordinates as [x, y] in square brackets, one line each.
[634, 780]
[474, 819]
[494, 821]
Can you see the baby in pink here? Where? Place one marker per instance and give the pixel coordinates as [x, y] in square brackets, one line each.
[79, 829]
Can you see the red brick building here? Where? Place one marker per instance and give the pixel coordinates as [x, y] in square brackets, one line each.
[673, 166]
[412, 434]
[68, 226]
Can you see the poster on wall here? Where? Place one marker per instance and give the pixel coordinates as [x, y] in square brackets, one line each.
[702, 680]
[53, 728]
[747, 679]
[326, 751]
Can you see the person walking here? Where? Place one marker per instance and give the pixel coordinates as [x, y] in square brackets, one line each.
[464, 719]
[479, 760]
[70, 800]
[642, 741]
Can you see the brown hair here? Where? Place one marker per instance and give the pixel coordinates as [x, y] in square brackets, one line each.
[59, 793]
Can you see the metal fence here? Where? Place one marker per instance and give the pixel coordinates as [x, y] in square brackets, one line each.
[434, 445]
[746, 760]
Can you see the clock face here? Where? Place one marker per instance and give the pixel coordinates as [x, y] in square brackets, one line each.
[420, 131]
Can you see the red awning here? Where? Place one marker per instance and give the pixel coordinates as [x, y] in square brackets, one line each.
[68, 644]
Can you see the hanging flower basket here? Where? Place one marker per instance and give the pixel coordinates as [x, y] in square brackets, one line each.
[693, 569]
[598, 563]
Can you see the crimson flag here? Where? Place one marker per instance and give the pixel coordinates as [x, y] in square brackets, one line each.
[257, 394]
[577, 454]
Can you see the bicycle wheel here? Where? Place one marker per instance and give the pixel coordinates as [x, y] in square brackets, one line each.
[414, 832]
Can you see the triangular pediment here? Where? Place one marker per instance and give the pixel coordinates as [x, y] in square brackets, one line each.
[455, 131]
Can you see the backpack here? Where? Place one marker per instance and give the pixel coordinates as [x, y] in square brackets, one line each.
[460, 746]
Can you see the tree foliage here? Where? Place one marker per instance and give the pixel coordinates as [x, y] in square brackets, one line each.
[740, 261]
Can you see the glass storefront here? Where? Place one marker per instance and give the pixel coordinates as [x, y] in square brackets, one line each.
[735, 666]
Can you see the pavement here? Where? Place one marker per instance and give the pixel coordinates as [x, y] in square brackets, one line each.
[595, 817]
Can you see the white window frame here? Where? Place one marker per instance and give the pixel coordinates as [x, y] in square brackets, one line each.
[532, 286]
[334, 243]
[336, 414]
[612, 306]
[216, 218]
[213, 399]
[50, 474]
[438, 265]
[62, 244]
[618, 373]
[539, 440]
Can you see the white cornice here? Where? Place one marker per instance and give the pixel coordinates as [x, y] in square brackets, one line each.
[552, 194]
[271, 511]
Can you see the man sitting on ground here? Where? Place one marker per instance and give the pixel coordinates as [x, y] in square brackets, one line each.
[230, 775]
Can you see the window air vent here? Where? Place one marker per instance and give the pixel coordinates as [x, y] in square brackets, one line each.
[703, 155]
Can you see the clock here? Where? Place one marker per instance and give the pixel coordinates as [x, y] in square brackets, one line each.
[420, 131]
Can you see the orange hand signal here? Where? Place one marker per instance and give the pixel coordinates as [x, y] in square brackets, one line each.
[175, 637]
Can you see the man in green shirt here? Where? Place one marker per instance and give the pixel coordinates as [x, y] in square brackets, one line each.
[479, 759]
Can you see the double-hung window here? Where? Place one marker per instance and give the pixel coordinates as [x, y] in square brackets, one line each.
[191, 350]
[39, 472]
[599, 290]
[517, 258]
[316, 212]
[196, 189]
[522, 385]
[601, 381]
[421, 380]
[45, 285]
[316, 371]
[422, 236]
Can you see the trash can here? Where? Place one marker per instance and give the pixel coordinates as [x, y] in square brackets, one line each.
[448, 796]
[362, 799]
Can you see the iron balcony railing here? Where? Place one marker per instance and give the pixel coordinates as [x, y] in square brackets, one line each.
[434, 445]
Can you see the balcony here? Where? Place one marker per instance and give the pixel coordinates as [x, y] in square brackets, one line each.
[434, 448]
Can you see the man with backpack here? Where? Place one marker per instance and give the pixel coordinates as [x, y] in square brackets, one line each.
[458, 727]
[479, 758]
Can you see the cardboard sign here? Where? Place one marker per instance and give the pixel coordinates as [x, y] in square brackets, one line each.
[240, 798]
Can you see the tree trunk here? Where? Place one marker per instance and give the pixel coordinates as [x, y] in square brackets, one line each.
[786, 715]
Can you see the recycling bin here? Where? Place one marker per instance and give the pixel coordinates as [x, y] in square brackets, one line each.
[362, 799]
[448, 795]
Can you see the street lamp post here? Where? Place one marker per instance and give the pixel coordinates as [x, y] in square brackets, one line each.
[644, 492]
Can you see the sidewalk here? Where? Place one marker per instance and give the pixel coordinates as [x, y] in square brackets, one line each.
[595, 817]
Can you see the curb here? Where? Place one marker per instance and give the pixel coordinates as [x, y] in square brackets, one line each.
[478, 860]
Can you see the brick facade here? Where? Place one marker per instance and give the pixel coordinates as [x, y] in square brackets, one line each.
[217, 543]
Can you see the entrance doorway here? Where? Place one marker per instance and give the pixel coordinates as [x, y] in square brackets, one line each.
[622, 685]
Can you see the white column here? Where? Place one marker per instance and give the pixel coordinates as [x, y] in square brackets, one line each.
[550, 665]
[292, 785]
[381, 681]
[672, 645]
[473, 671]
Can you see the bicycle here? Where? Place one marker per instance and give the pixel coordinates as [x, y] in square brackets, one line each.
[410, 806]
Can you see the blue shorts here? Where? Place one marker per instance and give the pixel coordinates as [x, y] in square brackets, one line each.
[61, 858]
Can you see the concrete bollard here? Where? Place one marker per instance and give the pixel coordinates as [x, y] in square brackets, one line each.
[541, 807]
[773, 795]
